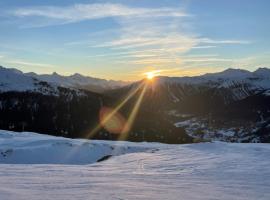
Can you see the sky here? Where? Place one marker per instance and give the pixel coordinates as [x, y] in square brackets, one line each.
[123, 39]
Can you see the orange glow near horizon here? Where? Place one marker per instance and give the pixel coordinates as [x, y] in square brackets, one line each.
[151, 74]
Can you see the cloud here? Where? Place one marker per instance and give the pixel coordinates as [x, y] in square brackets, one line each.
[141, 36]
[206, 60]
[211, 41]
[32, 64]
[172, 40]
[146, 41]
[204, 47]
[80, 12]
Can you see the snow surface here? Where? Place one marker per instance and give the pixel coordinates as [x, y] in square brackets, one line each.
[33, 148]
[138, 171]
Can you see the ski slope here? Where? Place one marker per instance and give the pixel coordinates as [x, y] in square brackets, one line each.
[43, 167]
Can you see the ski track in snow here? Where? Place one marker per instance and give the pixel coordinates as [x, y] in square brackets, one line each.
[204, 171]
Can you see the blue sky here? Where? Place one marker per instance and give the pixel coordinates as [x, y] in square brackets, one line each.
[124, 39]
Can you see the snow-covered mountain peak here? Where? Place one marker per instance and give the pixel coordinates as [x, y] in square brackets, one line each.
[227, 78]
[55, 74]
[80, 81]
[10, 70]
[263, 72]
[76, 75]
[15, 80]
[229, 74]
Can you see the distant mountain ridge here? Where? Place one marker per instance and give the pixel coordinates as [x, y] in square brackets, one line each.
[233, 105]
[260, 78]
[79, 81]
[15, 80]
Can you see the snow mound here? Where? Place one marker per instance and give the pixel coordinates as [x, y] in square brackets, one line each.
[33, 148]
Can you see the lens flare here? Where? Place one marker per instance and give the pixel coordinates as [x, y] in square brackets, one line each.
[132, 116]
[119, 106]
[115, 123]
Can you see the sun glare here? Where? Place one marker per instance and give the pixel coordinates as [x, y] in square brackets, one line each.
[150, 75]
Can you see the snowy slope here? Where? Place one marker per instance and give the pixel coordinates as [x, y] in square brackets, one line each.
[32, 148]
[196, 171]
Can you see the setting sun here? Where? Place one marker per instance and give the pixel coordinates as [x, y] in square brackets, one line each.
[150, 75]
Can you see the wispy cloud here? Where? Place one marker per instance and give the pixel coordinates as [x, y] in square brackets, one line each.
[32, 64]
[206, 60]
[211, 41]
[204, 47]
[146, 41]
[156, 61]
[142, 36]
[151, 42]
[80, 12]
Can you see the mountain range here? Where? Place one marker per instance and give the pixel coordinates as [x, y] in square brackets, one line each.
[232, 105]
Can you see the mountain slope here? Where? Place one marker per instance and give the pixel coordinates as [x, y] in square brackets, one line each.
[232, 105]
[75, 113]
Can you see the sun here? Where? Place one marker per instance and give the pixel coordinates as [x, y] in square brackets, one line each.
[150, 75]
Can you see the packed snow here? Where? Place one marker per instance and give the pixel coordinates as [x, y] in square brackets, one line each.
[134, 170]
[33, 148]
